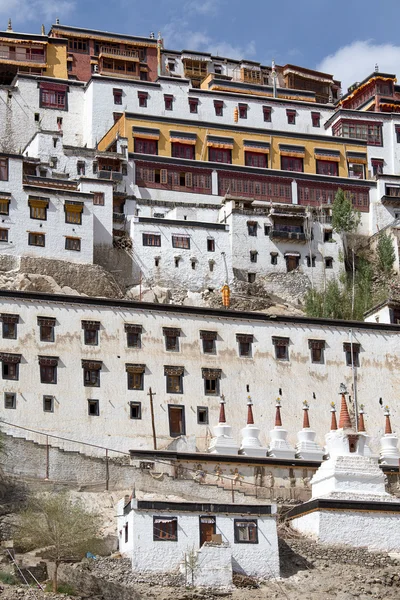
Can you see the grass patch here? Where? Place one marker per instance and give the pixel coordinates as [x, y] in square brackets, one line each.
[9, 578]
[63, 588]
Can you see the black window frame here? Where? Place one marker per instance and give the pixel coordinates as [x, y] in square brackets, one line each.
[130, 381]
[157, 538]
[236, 531]
[91, 377]
[47, 370]
[10, 396]
[138, 406]
[169, 387]
[6, 366]
[14, 330]
[48, 399]
[93, 404]
[146, 238]
[181, 407]
[203, 410]
[210, 382]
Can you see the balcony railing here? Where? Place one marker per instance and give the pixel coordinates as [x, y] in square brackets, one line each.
[118, 217]
[110, 175]
[292, 236]
[118, 52]
[22, 57]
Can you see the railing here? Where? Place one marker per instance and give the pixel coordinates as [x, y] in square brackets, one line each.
[287, 235]
[111, 175]
[118, 217]
[118, 52]
[21, 57]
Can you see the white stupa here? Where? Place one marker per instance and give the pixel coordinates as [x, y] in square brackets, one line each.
[251, 445]
[223, 442]
[389, 454]
[361, 429]
[307, 448]
[349, 503]
[279, 446]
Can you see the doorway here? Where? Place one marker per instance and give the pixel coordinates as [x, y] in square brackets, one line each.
[207, 529]
[292, 262]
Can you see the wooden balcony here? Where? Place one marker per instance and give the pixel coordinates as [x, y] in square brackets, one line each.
[287, 236]
[23, 56]
[119, 53]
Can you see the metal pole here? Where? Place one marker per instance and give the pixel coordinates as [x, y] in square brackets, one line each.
[107, 472]
[233, 492]
[47, 459]
[153, 425]
[354, 379]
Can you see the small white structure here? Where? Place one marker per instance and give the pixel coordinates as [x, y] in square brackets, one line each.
[349, 503]
[207, 541]
[251, 445]
[389, 454]
[223, 442]
[279, 446]
[307, 448]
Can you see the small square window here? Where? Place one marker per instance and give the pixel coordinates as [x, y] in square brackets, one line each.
[165, 529]
[209, 346]
[3, 235]
[328, 263]
[10, 370]
[10, 327]
[168, 102]
[267, 111]
[251, 277]
[211, 386]
[193, 105]
[48, 373]
[253, 256]
[133, 336]
[281, 348]
[171, 66]
[135, 378]
[38, 209]
[4, 206]
[246, 531]
[202, 415]
[174, 383]
[93, 408]
[135, 410]
[10, 400]
[48, 403]
[245, 345]
[274, 258]
[315, 119]
[98, 198]
[291, 117]
[310, 261]
[171, 339]
[143, 97]
[252, 228]
[218, 69]
[210, 245]
[243, 111]
[73, 244]
[328, 235]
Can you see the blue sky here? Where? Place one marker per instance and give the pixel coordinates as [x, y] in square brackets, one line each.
[344, 37]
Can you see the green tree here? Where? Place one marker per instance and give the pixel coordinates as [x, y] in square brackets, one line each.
[345, 219]
[65, 528]
[385, 252]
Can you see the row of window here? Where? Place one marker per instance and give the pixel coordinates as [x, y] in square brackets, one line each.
[38, 208]
[178, 241]
[165, 529]
[39, 239]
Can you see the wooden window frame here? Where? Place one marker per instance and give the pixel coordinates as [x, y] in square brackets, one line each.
[356, 354]
[267, 113]
[144, 146]
[98, 198]
[185, 151]
[4, 165]
[46, 400]
[193, 105]
[220, 155]
[181, 407]
[281, 348]
[10, 400]
[291, 116]
[55, 99]
[219, 108]
[143, 99]
[181, 241]
[324, 166]
[3, 235]
[10, 366]
[147, 237]
[258, 160]
[165, 534]
[292, 163]
[168, 102]
[135, 381]
[118, 93]
[73, 244]
[243, 110]
[4, 206]
[33, 237]
[316, 119]
[236, 528]
[210, 244]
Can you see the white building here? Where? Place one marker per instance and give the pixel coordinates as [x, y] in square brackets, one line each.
[159, 535]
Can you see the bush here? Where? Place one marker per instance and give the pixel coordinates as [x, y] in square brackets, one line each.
[385, 252]
[63, 588]
[9, 578]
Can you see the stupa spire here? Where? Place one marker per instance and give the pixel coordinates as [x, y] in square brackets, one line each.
[279, 446]
[388, 425]
[361, 424]
[306, 447]
[250, 417]
[344, 417]
[306, 420]
[222, 417]
[333, 417]
[223, 442]
[251, 445]
[278, 418]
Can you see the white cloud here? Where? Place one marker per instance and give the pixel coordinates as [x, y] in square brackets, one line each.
[357, 60]
[21, 11]
[205, 8]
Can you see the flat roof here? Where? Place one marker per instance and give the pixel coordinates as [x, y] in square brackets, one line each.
[99, 33]
[200, 507]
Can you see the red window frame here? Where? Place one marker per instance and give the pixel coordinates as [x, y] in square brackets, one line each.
[255, 159]
[316, 119]
[219, 108]
[182, 150]
[168, 102]
[377, 166]
[143, 97]
[221, 155]
[292, 163]
[117, 93]
[267, 112]
[51, 98]
[143, 146]
[193, 105]
[327, 167]
[291, 117]
[243, 111]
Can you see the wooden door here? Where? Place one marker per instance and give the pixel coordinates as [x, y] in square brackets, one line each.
[176, 421]
[207, 529]
[291, 263]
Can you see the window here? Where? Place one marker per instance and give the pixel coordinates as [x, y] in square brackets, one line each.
[208, 339]
[81, 167]
[219, 108]
[290, 163]
[48, 369]
[171, 65]
[251, 277]
[281, 347]
[93, 408]
[316, 119]
[4, 205]
[397, 129]
[77, 45]
[176, 418]
[143, 146]
[183, 151]
[377, 166]
[91, 332]
[135, 376]
[267, 229]
[165, 529]
[48, 403]
[38, 208]
[274, 258]
[36, 239]
[91, 373]
[243, 111]
[46, 328]
[59, 123]
[210, 245]
[171, 335]
[356, 170]
[218, 69]
[371, 132]
[202, 415]
[244, 344]
[3, 169]
[53, 96]
[310, 261]
[291, 117]
[252, 228]
[135, 410]
[10, 367]
[168, 102]
[116, 117]
[267, 112]
[180, 241]
[10, 400]
[133, 335]
[211, 381]
[255, 159]
[327, 167]
[3, 235]
[117, 93]
[37, 117]
[73, 244]
[246, 531]
[174, 381]
[253, 256]
[350, 349]
[73, 212]
[143, 97]
[328, 262]
[10, 323]
[98, 198]
[328, 235]
[193, 105]
[220, 155]
[151, 239]
[317, 348]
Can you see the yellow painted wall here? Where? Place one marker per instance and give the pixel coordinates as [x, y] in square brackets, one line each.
[57, 60]
[124, 127]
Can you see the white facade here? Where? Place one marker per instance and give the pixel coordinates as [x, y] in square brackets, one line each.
[139, 520]
[261, 374]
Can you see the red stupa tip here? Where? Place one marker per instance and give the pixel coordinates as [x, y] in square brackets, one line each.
[344, 417]
[278, 418]
[388, 425]
[306, 419]
[250, 417]
[222, 417]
